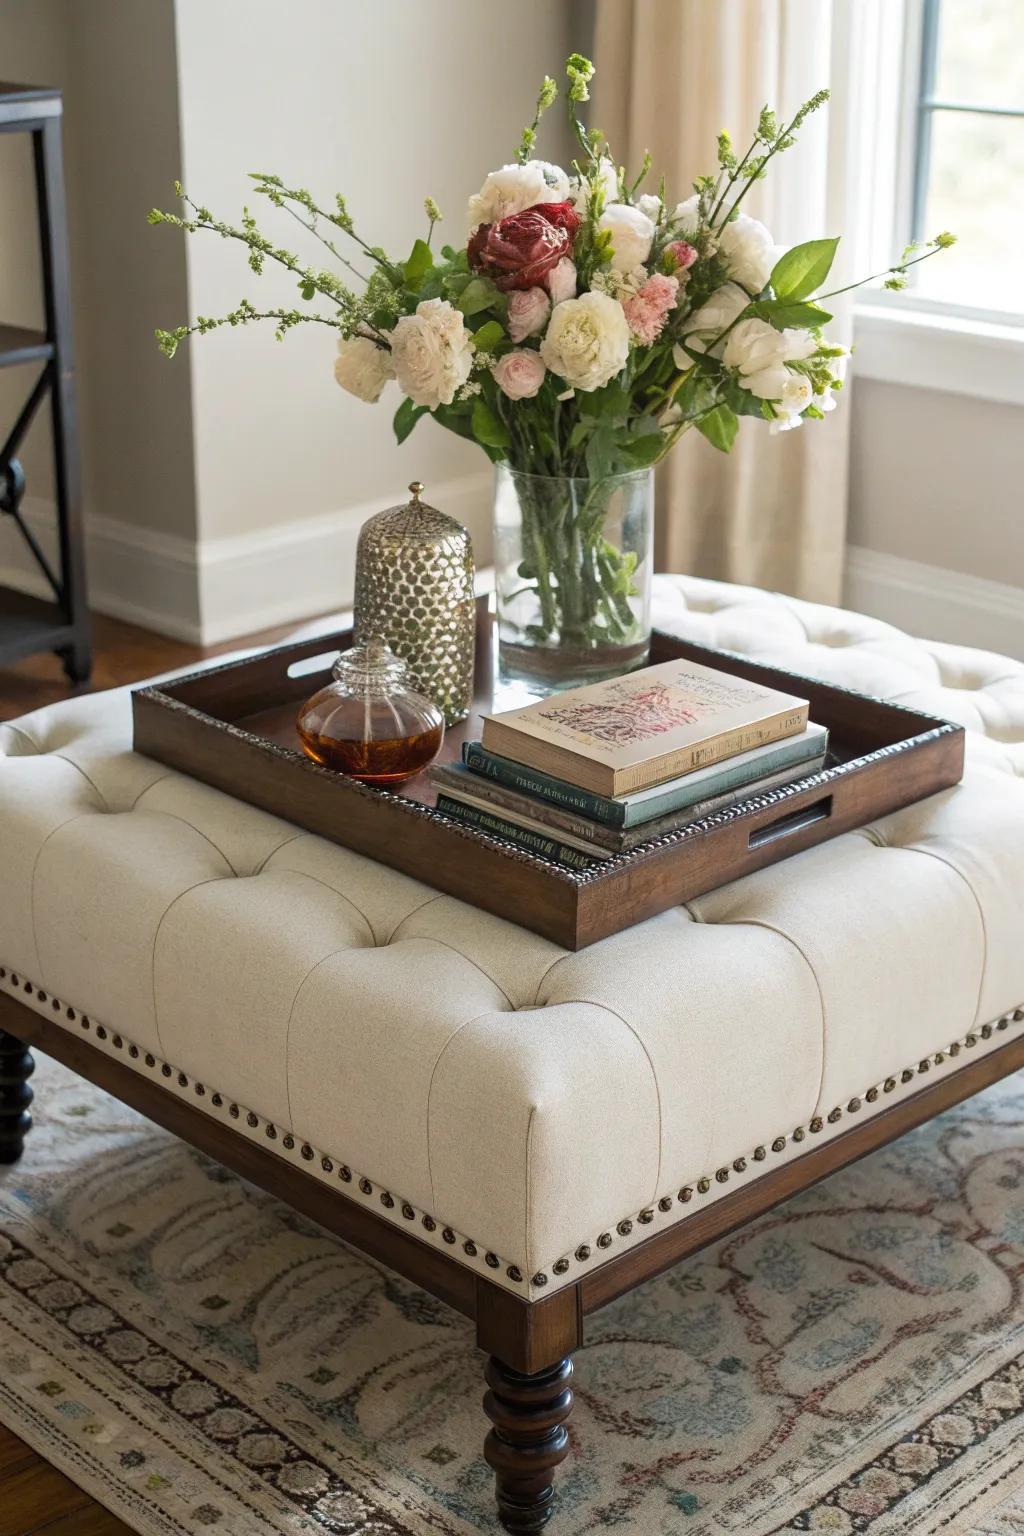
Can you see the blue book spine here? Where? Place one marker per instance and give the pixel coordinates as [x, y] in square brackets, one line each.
[532, 842]
[528, 781]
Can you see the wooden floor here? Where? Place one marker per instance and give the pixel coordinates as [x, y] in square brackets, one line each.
[34, 1497]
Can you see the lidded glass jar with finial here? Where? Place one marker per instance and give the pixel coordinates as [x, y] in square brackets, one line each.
[414, 589]
[369, 722]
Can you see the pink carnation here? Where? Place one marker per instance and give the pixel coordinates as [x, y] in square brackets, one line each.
[646, 311]
[684, 254]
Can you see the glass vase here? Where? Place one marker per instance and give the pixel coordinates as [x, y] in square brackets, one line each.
[573, 562]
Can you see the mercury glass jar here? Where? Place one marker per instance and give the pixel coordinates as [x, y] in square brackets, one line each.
[414, 588]
[370, 722]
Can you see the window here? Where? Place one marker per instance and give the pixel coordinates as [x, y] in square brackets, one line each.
[968, 154]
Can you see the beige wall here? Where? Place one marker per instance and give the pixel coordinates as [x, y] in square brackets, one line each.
[936, 477]
[385, 102]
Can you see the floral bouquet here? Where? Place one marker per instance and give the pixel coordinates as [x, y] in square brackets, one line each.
[584, 325]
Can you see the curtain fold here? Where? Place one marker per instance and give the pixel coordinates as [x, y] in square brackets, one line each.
[670, 74]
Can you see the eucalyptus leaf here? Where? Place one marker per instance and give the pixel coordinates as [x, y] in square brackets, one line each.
[418, 265]
[488, 336]
[406, 418]
[802, 270]
[488, 428]
[782, 313]
[719, 427]
[479, 294]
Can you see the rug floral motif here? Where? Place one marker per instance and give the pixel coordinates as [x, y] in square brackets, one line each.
[209, 1363]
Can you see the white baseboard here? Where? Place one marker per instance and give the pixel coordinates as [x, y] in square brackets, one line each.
[223, 588]
[935, 603]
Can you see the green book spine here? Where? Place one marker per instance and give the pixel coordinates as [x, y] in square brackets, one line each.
[530, 782]
[532, 842]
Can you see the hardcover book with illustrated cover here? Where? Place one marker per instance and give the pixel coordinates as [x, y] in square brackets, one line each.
[630, 732]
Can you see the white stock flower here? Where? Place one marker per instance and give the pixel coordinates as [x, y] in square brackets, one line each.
[790, 392]
[432, 353]
[587, 341]
[687, 215]
[362, 367]
[562, 281]
[705, 324]
[753, 345]
[631, 232]
[650, 203]
[515, 187]
[749, 251]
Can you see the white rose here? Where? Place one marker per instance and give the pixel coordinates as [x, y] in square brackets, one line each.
[520, 373]
[799, 344]
[687, 215]
[562, 281]
[631, 232]
[791, 392]
[749, 251]
[587, 340]
[362, 367]
[650, 203]
[705, 324]
[515, 187]
[432, 353]
[753, 345]
[528, 310]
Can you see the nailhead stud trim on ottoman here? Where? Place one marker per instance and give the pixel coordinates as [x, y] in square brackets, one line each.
[525, 1131]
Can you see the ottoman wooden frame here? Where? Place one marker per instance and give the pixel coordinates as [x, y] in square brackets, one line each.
[529, 1343]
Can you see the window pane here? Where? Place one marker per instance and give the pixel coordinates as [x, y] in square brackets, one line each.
[981, 52]
[976, 189]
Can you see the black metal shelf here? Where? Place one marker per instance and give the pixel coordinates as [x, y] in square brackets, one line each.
[30, 624]
[19, 344]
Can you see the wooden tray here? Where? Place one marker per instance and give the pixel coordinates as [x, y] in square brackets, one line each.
[233, 726]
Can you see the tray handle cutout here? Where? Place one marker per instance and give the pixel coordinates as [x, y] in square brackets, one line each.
[790, 822]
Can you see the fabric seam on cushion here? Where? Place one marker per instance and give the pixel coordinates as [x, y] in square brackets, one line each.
[425, 939]
[466, 1024]
[78, 816]
[10, 726]
[302, 875]
[173, 816]
[757, 922]
[293, 839]
[591, 1003]
[146, 788]
[78, 767]
[931, 854]
[210, 880]
[529, 1186]
[424, 903]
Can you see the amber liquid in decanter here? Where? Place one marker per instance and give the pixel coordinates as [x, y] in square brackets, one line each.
[369, 723]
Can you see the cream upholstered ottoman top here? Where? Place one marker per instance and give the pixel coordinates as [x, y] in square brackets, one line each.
[530, 1111]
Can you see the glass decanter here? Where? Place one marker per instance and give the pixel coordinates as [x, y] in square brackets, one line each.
[369, 722]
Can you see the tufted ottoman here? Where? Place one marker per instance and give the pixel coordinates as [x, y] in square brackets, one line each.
[526, 1132]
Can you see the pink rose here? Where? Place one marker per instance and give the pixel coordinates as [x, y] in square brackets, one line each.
[647, 310]
[562, 281]
[528, 310]
[519, 374]
[684, 254]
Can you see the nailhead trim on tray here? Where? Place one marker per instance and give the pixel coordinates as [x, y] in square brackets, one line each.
[511, 1275]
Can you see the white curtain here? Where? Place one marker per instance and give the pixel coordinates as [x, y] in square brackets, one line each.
[670, 74]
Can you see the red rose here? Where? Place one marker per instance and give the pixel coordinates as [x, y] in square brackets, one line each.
[520, 251]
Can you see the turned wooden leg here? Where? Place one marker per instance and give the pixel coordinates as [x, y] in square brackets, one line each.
[16, 1067]
[529, 1439]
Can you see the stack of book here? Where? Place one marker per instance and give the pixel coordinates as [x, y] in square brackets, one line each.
[597, 771]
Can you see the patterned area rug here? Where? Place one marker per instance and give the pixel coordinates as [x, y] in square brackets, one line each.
[206, 1362]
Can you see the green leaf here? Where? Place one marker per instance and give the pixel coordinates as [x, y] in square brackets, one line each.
[406, 418]
[802, 270]
[419, 264]
[488, 428]
[611, 403]
[643, 451]
[782, 313]
[599, 454]
[741, 400]
[719, 427]
[479, 294]
[488, 336]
